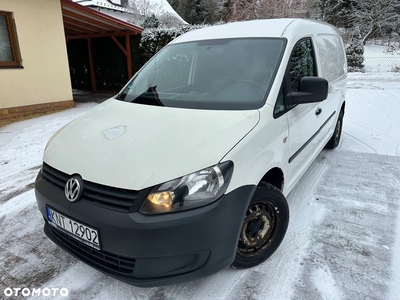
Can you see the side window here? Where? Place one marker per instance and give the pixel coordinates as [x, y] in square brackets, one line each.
[280, 103]
[302, 63]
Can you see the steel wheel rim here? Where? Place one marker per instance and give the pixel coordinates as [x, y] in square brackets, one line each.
[259, 228]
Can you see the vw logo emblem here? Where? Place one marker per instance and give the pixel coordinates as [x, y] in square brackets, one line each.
[73, 189]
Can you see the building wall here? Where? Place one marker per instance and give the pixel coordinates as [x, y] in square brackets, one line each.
[44, 78]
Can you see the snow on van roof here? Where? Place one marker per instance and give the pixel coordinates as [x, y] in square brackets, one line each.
[258, 28]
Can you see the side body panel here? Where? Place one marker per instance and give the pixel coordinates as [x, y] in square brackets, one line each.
[261, 150]
[333, 66]
[303, 124]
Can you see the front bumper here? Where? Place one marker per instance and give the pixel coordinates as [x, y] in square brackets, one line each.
[152, 250]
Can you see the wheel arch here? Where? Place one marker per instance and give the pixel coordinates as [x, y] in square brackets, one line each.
[274, 177]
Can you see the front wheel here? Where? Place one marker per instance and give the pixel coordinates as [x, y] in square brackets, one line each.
[264, 227]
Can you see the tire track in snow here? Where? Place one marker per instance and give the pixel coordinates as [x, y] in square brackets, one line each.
[325, 284]
[27, 257]
[394, 289]
[359, 145]
[220, 285]
[393, 181]
[392, 109]
[374, 116]
[17, 184]
[348, 257]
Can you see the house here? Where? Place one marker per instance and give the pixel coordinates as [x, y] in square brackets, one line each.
[34, 74]
[115, 8]
[34, 70]
[120, 8]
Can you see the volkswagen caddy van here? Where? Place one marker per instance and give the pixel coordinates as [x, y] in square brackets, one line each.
[186, 171]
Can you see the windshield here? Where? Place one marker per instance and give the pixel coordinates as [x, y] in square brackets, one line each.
[229, 74]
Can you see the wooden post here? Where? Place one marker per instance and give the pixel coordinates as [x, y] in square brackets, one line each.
[92, 69]
[127, 51]
[128, 55]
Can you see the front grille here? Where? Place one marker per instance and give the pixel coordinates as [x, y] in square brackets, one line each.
[110, 197]
[109, 261]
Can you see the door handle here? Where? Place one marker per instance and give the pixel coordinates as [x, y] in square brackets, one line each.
[318, 111]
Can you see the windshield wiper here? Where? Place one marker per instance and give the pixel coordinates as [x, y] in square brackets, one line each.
[149, 97]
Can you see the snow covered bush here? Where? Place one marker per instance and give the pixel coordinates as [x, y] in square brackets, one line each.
[154, 39]
[355, 53]
[169, 20]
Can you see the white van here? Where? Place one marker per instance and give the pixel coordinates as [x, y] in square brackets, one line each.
[185, 171]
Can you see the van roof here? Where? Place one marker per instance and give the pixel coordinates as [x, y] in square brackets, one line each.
[258, 28]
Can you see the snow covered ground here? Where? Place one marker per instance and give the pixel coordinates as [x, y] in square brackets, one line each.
[343, 240]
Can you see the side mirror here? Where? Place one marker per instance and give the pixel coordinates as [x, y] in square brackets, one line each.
[311, 90]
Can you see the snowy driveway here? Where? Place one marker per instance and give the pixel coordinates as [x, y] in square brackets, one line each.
[343, 240]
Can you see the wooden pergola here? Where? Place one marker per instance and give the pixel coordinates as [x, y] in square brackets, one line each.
[81, 22]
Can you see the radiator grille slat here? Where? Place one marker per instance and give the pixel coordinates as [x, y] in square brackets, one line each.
[102, 195]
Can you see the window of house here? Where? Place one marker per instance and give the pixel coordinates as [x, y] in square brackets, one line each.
[9, 52]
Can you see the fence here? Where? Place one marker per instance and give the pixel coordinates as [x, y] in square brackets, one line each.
[382, 55]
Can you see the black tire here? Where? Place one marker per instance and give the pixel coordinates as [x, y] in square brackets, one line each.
[264, 227]
[335, 139]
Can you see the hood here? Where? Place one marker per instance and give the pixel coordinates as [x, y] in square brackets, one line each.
[135, 146]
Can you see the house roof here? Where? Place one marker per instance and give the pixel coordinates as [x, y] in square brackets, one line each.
[82, 22]
[157, 7]
[116, 5]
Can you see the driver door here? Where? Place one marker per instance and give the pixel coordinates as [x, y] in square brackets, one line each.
[303, 119]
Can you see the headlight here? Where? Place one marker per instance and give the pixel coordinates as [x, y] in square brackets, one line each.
[190, 191]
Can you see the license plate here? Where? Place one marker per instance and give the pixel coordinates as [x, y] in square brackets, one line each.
[85, 234]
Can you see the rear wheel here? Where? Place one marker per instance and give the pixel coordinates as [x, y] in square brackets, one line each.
[264, 227]
[335, 139]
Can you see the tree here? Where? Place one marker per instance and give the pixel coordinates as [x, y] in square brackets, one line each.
[151, 22]
[355, 52]
[144, 7]
[200, 11]
[189, 11]
[347, 14]
[376, 15]
[141, 9]
[340, 13]
[263, 9]
[212, 10]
